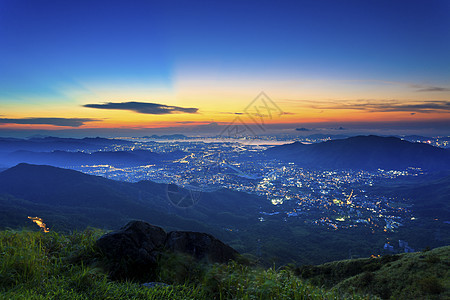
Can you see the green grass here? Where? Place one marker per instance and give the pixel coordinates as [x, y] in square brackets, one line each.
[420, 275]
[34, 265]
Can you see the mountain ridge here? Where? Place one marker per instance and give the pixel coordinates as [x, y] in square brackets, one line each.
[69, 191]
[60, 158]
[363, 152]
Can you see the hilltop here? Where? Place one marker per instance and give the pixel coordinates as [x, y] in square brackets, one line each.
[60, 158]
[48, 143]
[430, 194]
[37, 265]
[363, 152]
[403, 276]
[69, 200]
[74, 200]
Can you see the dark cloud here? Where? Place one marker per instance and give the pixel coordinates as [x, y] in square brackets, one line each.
[302, 129]
[386, 106]
[68, 122]
[229, 113]
[144, 108]
[421, 88]
[191, 122]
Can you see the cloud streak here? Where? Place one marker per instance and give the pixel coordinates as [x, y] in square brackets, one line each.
[67, 122]
[384, 106]
[144, 108]
[422, 88]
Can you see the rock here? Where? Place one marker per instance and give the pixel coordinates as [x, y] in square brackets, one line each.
[201, 246]
[133, 250]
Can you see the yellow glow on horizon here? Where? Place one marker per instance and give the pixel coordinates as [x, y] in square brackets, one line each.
[221, 99]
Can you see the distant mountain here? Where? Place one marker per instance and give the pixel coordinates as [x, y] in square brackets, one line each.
[54, 143]
[69, 199]
[416, 138]
[429, 194]
[167, 137]
[363, 152]
[325, 136]
[65, 159]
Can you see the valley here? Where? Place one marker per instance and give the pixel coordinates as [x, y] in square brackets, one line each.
[235, 191]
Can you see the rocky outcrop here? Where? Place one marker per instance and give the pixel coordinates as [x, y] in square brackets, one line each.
[200, 245]
[133, 251]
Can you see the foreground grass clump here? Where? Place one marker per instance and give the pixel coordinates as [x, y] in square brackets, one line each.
[236, 281]
[420, 275]
[34, 265]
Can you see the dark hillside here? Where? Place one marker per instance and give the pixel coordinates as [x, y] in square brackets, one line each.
[364, 152]
[422, 275]
[97, 200]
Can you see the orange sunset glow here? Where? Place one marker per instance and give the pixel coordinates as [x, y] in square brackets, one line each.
[132, 78]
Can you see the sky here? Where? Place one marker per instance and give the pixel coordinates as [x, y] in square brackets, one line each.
[144, 67]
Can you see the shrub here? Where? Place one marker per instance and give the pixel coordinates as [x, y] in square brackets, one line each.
[431, 285]
[366, 279]
[179, 268]
[432, 259]
[372, 267]
[34, 265]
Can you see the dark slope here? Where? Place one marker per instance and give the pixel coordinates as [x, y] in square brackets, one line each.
[431, 199]
[429, 194]
[68, 200]
[64, 159]
[59, 187]
[422, 275]
[106, 203]
[364, 152]
[55, 143]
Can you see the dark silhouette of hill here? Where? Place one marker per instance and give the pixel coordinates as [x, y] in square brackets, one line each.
[363, 152]
[54, 143]
[64, 159]
[429, 194]
[325, 136]
[432, 198]
[71, 197]
[167, 137]
[69, 200]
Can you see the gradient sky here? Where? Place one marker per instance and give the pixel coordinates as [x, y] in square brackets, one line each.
[140, 64]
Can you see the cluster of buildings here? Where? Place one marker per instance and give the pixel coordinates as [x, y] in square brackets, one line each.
[402, 247]
[336, 199]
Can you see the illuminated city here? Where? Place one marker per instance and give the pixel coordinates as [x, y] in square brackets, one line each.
[334, 199]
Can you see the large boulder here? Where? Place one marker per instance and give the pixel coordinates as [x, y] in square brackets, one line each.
[133, 250]
[201, 246]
